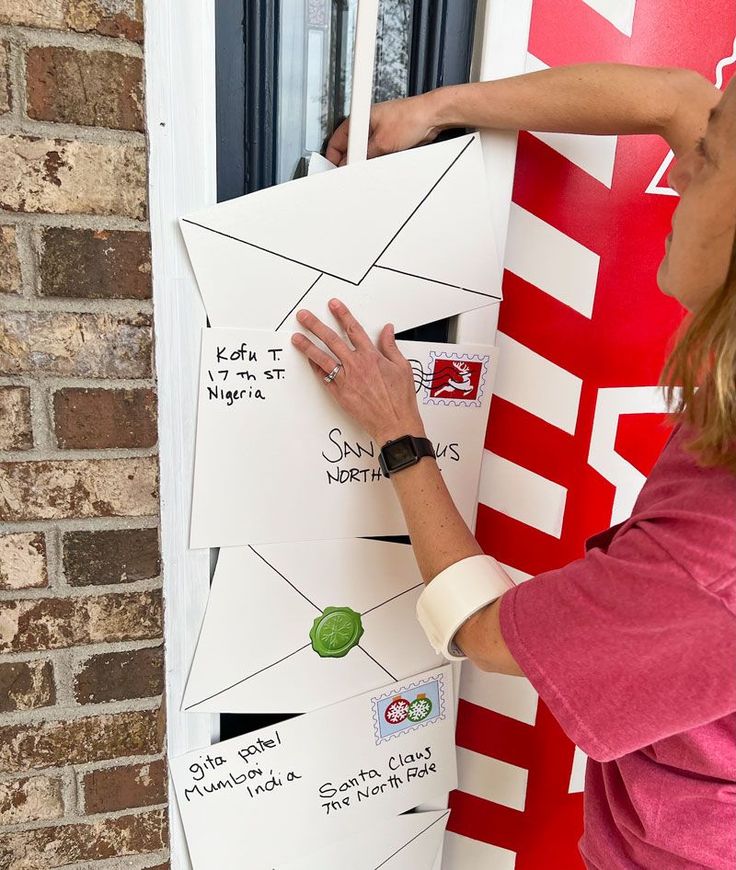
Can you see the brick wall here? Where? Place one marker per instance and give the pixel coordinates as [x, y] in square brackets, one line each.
[82, 775]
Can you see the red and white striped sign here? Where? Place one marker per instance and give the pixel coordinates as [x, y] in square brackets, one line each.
[576, 422]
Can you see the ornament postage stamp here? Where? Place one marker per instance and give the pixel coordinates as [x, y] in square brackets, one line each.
[408, 707]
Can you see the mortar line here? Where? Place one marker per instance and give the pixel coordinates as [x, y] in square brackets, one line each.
[83, 767]
[84, 820]
[58, 383]
[67, 591]
[82, 524]
[26, 258]
[78, 305]
[77, 221]
[17, 80]
[24, 126]
[29, 36]
[63, 714]
[78, 454]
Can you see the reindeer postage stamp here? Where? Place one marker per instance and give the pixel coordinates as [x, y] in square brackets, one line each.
[452, 378]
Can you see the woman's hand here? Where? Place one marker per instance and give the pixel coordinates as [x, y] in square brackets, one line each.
[395, 126]
[374, 384]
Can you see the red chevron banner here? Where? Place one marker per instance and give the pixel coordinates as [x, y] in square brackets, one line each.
[576, 422]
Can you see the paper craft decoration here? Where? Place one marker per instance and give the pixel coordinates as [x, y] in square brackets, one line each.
[276, 459]
[279, 634]
[326, 775]
[405, 238]
[409, 842]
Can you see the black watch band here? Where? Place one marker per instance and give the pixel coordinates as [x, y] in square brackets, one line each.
[403, 453]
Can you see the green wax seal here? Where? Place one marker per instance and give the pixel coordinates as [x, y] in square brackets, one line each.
[335, 632]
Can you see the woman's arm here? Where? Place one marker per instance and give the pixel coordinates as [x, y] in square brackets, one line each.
[585, 98]
[376, 387]
[440, 537]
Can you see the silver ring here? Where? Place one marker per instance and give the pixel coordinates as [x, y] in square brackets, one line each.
[328, 379]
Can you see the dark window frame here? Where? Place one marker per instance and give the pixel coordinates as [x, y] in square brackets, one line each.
[246, 34]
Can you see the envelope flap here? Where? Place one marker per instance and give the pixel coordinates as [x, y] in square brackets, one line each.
[357, 573]
[239, 283]
[420, 849]
[231, 643]
[255, 650]
[408, 842]
[450, 239]
[337, 222]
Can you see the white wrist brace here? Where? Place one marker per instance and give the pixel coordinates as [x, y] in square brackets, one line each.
[454, 595]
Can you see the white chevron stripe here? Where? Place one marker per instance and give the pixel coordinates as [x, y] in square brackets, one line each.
[655, 185]
[462, 853]
[491, 779]
[577, 774]
[542, 255]
[514, 573]
[619, 12]
[537, 385]
[510, 696]
[595, 155]
[521, 494]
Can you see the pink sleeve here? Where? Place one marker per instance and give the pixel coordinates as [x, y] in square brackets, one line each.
[624, 647]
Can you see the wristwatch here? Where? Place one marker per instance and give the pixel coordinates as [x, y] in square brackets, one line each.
[402, 453]
[454, 595]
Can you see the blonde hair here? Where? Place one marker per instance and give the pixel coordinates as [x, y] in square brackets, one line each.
[699, 377]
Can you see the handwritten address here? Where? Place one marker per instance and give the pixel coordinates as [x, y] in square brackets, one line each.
[248, 379]
[249, 771]
[367, 784]
[255, 771]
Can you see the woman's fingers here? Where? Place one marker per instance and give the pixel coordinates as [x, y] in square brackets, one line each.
[350, 326]
[387, 344]
[338, 145]
[320, 373]
[323, 332]
[324, 362]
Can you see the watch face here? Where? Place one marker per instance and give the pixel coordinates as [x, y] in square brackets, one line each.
[399, 454]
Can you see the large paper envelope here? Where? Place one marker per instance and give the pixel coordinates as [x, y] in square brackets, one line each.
[321, 777]
[409, 842]
[277, 460]
[405, 238]
[258, 650]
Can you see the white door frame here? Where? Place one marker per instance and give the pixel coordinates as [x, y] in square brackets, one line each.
[180, 109]
[180, 106]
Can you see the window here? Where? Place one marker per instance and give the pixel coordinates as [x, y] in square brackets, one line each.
[314, 62]
[284, 69]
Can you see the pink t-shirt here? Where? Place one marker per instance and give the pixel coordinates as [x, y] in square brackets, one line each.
[633, 648]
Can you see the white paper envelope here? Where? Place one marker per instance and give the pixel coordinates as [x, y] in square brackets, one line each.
[273, 606]
[405, 238]
[277, 460]
[409, 842]
[318, 778]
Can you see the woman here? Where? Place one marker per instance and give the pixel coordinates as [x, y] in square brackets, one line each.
[633, 647]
